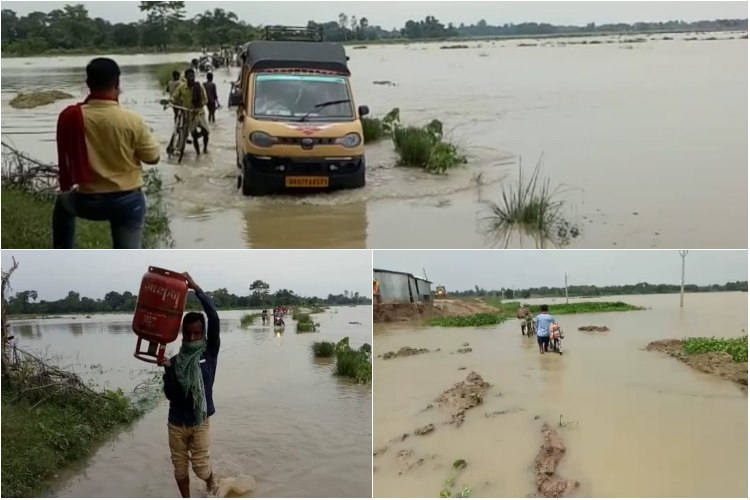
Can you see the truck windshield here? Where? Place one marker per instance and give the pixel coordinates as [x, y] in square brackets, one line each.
[293, 96]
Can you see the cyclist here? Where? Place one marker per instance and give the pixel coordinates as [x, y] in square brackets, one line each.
[192, 95]
[526, 318]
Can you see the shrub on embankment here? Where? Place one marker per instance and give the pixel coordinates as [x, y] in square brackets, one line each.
[28, 193]
[51, 419]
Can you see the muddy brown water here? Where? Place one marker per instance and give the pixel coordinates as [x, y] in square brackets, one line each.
[646, 162]
[645, 425]
[281, 416]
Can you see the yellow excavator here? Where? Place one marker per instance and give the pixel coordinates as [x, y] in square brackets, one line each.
[440, 292]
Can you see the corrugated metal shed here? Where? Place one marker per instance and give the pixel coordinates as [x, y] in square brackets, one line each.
[398, 287]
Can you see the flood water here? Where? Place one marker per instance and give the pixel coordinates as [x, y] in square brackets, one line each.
[644, 424]
[281, 415]
[648, 142]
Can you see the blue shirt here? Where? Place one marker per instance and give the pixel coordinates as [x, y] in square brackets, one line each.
[543, 322]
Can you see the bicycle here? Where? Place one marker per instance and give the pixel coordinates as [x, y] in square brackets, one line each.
[180, 133]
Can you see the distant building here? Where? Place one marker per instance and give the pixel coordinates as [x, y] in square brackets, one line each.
[394, 287]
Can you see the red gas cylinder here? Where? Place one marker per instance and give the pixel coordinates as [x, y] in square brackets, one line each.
[158, 314]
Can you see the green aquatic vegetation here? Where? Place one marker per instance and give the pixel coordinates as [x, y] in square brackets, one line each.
[447, 491]
[163, 72]
[354, 364]
[735, 347]
[531, 207]
[249, 319]
[475, 320]
[588, 307]
[324, 349]
[372, 129]
[422, 147]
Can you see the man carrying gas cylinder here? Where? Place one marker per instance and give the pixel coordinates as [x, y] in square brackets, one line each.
[188, 385]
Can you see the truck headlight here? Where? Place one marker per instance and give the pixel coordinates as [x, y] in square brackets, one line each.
[349, 140]
[262, 140]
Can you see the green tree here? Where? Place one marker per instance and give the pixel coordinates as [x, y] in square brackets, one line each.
[259, 290]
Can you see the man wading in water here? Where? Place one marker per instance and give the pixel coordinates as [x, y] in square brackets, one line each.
[543, 323]
[192, 95]
[100, 148]
[188, 385]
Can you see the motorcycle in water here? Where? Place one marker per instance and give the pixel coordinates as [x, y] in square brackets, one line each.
[556, 336]
[278, 324]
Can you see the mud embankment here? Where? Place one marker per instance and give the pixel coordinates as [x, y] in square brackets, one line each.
[719, 364]
[548, 483]
[404, 313]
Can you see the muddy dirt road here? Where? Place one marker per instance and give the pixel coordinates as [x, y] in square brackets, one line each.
[614, 398]
[586, 107]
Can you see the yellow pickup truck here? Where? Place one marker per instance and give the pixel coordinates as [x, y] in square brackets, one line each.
[298, 128]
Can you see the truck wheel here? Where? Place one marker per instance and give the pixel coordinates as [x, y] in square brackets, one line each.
[248, 187]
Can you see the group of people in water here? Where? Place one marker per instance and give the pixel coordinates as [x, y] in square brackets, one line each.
[192, 97]
[278, 316]
[546, 327]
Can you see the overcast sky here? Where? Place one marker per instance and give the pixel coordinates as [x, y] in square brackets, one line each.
[392, 14]
[93, 273]
[495, 269]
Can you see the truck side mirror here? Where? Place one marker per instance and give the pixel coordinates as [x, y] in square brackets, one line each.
[363, 111]
[235, 97]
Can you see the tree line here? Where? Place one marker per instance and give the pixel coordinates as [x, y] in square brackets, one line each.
[260, 296]
[165, 25]
[597, 291]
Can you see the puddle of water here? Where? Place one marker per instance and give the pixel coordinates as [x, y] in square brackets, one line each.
[281, 416]
[645, 424]
[662, 142]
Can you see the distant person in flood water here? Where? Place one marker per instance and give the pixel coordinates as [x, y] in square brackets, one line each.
[100, 151]
[543, 323]
[188, 384]
[213, 97]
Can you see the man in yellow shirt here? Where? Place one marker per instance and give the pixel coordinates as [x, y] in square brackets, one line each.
[100, 149]
[192, 95]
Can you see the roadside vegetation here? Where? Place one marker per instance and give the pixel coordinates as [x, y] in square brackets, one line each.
[324, 349]
[163, 72]
[353, 364]
[249, 319]
[29, 190]
[422, 147]
[51, 419]
[508, 310]
[475, 320]
[305, 323]
[737, 347]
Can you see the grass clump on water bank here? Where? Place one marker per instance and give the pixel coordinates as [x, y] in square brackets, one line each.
[305, 323]
[355, 365]
[737, 348]
[163, 72]
[531, 207]
[324, 349]
[372, 129]
[481, 319]
[423, 147]
[249, 319]
[51, 419]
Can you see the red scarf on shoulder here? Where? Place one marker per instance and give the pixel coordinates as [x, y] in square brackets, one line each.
[72, 156]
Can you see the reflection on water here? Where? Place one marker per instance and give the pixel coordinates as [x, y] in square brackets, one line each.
[281, 415]
[619, 399]
[588, 108]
